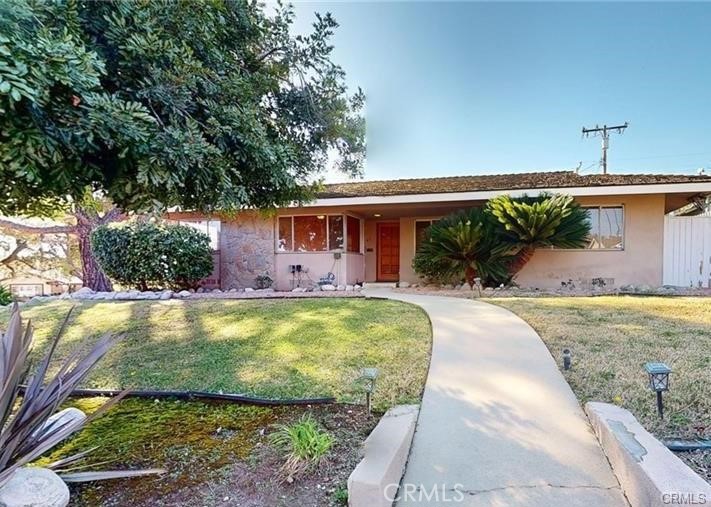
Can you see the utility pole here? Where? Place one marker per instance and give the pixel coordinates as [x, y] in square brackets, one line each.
[604, 133]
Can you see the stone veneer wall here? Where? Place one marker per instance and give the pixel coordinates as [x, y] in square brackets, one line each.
[246, 249]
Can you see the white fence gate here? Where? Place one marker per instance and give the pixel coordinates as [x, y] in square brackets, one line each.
[687, 251]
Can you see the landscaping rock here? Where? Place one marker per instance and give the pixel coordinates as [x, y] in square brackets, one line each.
[34, 487]
[65, 416]
[465, 286]
[83, 293]
[328, 286]
[216, 291]
[248, 289]
[403, 285]
[149, 294]
[349, 288]
[299, 289]
[183, 294]
[341, 287]
[232, 290]
[166, 294]
[104, 295]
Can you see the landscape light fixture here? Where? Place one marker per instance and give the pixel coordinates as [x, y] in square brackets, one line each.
[567, 359]
[658, 382]
[368, 376]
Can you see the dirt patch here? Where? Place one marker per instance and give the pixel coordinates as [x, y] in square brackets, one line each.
[214, 454]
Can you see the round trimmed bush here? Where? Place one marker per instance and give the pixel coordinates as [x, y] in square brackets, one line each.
[147, 255]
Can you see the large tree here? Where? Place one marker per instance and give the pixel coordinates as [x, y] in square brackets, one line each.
[152, 104]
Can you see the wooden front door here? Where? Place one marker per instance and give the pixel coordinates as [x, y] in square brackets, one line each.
[388, 252]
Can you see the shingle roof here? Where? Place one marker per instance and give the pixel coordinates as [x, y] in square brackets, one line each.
[552, 179]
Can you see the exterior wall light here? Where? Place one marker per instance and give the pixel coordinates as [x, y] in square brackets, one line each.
[367, 378]
[658, 382]
[377, 215]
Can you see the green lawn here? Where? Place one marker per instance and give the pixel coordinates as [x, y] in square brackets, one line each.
[270, 348]
[612, 337]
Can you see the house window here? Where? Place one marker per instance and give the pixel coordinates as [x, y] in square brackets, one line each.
[310, 233]
[421, 227]
[209, 227]
[607, 225]
[335, 232]
[318, 233]
[353, 228]
[285, 240]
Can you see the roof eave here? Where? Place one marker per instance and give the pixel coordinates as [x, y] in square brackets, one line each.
[482, 195]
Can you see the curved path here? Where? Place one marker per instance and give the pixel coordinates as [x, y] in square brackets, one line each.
[498, 426]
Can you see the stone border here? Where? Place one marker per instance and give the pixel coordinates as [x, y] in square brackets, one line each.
[375, 481]
[86, 294]
[649, 473]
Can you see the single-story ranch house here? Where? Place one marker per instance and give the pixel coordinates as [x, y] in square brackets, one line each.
[369, 231]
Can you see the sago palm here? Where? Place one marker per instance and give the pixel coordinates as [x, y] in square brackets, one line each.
[547, 220]
[465, 244]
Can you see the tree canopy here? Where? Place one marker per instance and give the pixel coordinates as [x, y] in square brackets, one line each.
[204, 105]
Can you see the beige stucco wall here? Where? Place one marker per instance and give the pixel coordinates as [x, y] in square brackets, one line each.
[639, 263]
[348, 269]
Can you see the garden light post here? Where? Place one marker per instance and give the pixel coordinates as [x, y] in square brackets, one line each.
[567, 359]
[368, 376]
[658, 382]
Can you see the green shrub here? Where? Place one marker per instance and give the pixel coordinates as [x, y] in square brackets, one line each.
[304, 443]
[149, 255]
[5, 296]
[463, 246]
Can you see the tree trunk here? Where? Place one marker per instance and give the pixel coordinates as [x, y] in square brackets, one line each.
[92, 274]
[87, 219]
[521, 260]
[470, 275]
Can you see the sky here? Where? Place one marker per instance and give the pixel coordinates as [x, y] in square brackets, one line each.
[481, 88]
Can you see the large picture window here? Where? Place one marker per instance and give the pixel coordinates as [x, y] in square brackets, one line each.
[318, 233]
[607, 224]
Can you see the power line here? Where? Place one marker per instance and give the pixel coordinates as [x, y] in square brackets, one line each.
[604, 133]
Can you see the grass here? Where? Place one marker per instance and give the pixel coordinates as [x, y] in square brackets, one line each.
[611, 338]
[268, 348]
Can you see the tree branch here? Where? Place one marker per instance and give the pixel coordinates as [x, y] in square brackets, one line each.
[9, 225]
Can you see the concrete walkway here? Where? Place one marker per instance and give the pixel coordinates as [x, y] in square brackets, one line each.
[498, 421]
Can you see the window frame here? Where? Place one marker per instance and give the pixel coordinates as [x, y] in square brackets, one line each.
[329, 250]
[414, 229]
[207, 222]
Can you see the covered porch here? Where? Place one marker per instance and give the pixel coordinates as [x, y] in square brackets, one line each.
[309, 244]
